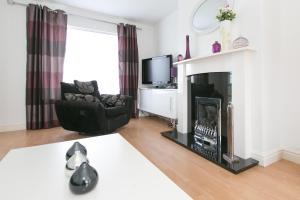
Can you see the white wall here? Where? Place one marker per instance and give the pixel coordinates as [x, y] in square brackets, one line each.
[289, 77]
[12, 66]
[270, 73]
[280, 68]
[13, 55]
[271, 27]
[167, 40]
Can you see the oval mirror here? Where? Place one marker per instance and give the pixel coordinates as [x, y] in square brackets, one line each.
[204, 18]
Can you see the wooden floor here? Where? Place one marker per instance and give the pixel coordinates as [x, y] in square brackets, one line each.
[198, 177]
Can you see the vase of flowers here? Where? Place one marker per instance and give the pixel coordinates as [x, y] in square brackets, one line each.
[226, 16]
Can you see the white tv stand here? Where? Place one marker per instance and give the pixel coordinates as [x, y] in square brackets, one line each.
[162, 102]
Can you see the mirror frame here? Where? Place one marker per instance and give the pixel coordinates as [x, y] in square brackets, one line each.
[210, 30]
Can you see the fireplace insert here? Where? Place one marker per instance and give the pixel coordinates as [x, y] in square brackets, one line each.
[207, 130]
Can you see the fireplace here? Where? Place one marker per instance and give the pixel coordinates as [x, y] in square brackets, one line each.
[197, 78]
[209, 95]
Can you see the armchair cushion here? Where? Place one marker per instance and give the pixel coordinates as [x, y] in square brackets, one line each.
[121, 101]
[90, 87]
[71, 88]
[112, 100]
[81, 97]
[68, 88]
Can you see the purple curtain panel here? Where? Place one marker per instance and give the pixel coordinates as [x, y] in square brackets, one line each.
[128, 63]
[46, 43]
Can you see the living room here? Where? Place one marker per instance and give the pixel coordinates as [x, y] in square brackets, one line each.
[249, 150]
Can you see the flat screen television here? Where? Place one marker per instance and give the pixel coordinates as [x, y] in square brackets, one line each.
[157, 70]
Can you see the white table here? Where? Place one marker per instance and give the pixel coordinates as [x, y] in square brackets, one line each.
[38, 173]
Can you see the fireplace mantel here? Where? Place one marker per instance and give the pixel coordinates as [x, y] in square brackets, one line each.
[211, 56]
[238, 62]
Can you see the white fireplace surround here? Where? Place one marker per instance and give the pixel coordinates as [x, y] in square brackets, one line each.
[238, 62]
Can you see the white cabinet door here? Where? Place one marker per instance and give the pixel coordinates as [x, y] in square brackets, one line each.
[159, 101]
[145, 100]
[163, 102]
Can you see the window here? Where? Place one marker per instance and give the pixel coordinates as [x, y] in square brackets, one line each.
[92, 56]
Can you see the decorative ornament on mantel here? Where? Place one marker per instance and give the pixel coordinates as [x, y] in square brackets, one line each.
[179, 58]
[187, 52]
[240, 42]
[216, 47]
[226, 16]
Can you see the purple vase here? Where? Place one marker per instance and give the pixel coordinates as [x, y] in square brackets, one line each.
[216, 47]
[187, 52]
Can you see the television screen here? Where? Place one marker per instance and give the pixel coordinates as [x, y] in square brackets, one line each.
[156, 70]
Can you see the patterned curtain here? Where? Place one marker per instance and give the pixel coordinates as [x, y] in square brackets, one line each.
[46, 42]
[128, 63]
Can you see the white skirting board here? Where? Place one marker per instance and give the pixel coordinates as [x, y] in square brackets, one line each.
[291, 155]
[15, 127]
[267, 159]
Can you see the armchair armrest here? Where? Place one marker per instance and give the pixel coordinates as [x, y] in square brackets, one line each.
[128, 100]
[128, 104]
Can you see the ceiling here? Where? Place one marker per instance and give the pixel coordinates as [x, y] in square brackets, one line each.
[147, 11]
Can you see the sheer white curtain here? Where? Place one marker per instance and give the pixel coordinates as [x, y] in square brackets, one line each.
[92, 56]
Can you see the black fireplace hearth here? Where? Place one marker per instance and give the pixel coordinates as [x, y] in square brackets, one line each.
[188, 141]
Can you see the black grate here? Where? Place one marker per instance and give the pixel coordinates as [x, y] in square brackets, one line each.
[207, 128]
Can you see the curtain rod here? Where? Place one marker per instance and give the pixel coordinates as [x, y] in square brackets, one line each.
[12, 2]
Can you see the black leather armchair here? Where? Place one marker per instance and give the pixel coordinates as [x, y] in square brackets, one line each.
[91, 117]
